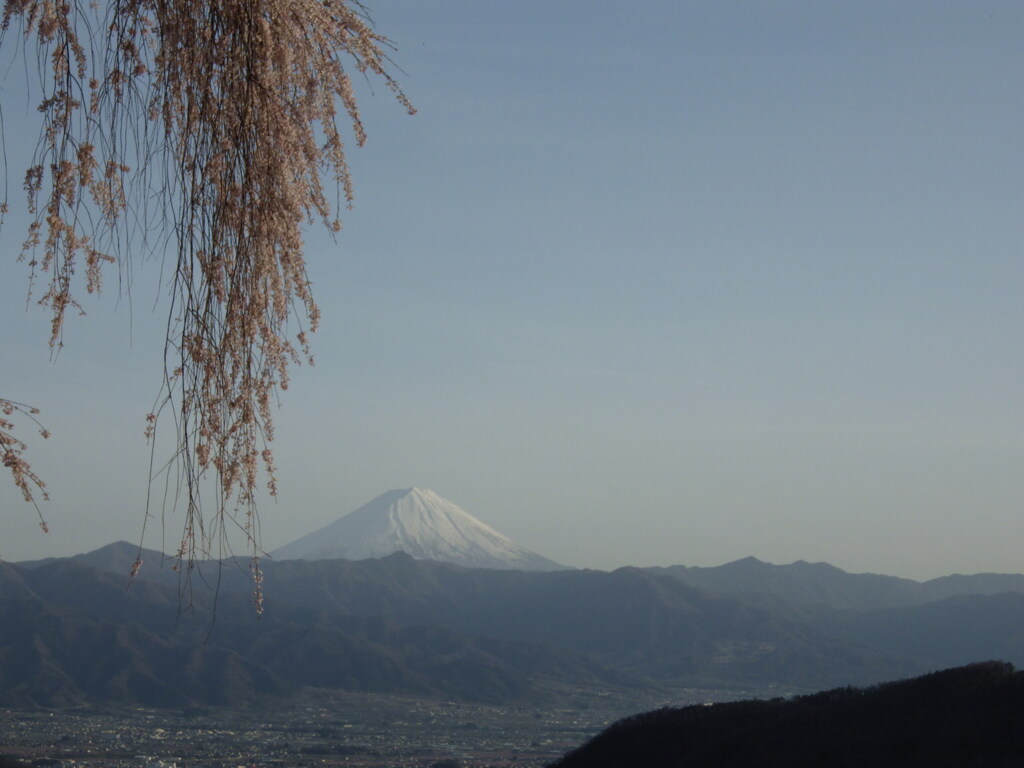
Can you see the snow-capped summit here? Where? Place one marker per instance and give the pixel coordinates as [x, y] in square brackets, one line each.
[420, 523]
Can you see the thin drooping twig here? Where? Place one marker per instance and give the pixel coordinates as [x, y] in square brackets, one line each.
[12, 453]
[209, 127]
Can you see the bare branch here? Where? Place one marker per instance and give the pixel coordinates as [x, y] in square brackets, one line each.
[215, 124]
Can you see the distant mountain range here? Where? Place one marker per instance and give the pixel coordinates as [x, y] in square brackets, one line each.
[71, 631]
[803, 585]
[420, 523]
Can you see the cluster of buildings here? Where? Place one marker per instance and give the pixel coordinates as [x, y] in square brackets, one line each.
[323, 729]
[358, 731]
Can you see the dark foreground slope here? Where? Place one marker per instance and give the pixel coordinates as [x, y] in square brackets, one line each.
[968, 716]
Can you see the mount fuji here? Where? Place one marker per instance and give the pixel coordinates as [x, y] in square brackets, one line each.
[420, 523]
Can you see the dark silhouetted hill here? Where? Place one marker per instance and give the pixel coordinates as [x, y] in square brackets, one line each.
[958, 718]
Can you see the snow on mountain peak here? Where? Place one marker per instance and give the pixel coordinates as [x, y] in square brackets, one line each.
[421, 523]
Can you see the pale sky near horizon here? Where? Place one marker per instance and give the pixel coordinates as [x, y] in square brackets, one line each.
[641, 284]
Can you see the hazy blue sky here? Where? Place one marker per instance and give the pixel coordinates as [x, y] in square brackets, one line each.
[649, 283]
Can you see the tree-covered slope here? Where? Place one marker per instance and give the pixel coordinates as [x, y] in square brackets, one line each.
[958, 718]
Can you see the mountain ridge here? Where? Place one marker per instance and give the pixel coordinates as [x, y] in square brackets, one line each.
[75, 635]
[398, 624]
[801, 584]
